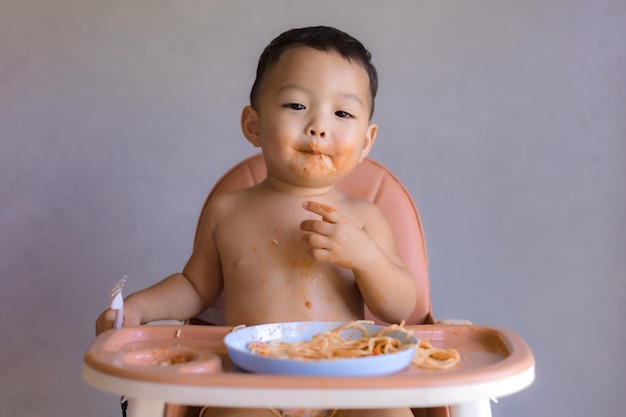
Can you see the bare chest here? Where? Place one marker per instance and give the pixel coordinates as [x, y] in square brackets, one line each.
[269, 274]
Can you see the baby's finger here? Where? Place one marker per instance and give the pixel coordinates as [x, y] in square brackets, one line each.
[105, 321]
[328, 213]
[315, 226]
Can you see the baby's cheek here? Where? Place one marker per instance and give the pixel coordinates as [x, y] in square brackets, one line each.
[344, 158]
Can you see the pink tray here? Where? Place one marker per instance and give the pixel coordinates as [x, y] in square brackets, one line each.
[487, 354]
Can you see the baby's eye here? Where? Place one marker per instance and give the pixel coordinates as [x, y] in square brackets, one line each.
[294, 106]
[342, 114]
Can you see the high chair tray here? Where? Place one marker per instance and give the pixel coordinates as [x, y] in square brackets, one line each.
[141, 362]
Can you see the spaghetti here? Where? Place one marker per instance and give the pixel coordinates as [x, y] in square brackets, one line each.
[339, 343]
[429, 357]
[328, 162]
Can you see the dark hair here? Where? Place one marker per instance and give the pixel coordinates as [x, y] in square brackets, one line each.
[322, 38]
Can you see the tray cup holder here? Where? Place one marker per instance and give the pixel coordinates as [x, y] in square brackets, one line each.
[172, 359]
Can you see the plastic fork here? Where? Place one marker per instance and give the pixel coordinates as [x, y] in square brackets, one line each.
[117, 302]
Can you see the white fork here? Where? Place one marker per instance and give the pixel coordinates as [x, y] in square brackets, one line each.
[117, 302]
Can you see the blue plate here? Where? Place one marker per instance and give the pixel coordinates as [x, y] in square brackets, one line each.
[237, 342]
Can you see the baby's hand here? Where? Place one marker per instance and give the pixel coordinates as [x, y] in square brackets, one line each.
[107, 317]
[335, 238]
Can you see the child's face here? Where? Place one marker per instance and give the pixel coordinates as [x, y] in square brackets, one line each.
[312, 117]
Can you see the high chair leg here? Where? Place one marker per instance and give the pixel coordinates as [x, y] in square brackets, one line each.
[480, 408]
[144, 407]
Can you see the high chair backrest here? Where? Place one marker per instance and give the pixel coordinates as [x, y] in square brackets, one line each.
[371, 181]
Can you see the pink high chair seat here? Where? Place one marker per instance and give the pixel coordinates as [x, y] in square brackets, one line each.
[371, 181]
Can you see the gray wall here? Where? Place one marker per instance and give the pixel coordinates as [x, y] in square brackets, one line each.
[505, 120]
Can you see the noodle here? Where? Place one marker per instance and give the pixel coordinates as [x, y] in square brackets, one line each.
[328, 162]
[332, 345]
[172, 360]
[429, 357]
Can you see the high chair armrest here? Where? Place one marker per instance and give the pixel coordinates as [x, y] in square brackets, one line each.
[165, 322]
[181, 322]
[453, 321]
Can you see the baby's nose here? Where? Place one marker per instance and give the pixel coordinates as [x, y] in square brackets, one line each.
[317, 132]
[317, 126]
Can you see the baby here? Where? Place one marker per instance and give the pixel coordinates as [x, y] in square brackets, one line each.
[294, 248]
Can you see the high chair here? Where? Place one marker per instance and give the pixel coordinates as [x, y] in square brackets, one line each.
[371, 181]
[495, 362]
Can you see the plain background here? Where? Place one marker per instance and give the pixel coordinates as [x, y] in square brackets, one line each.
[505, 119]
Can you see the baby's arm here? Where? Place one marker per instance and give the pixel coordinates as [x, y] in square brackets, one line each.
[180, 295]
[388, 288]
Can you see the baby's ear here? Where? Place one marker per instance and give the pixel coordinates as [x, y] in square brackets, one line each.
[370, 137]
[250, 125]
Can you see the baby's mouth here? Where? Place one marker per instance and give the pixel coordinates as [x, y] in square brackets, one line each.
[328, 161]
[311, 151]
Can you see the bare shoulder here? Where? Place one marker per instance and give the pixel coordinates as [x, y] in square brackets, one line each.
[363, 212]
[220, 206]
[226, 200]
